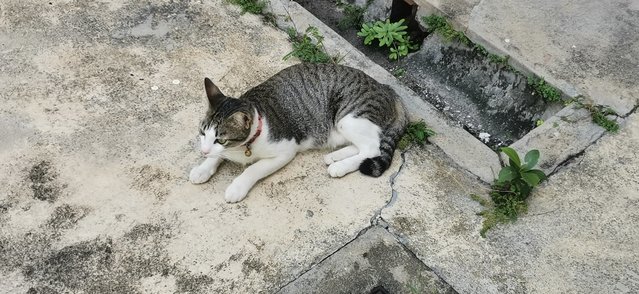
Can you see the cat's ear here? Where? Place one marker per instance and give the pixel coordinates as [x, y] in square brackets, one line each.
[213, 93]
[242, 119]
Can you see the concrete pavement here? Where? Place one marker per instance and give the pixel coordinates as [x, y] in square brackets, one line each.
[100, 104]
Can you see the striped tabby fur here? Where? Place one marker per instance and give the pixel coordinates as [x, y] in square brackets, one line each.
[304, 106]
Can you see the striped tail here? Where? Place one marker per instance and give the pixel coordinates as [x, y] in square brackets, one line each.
[376, 166]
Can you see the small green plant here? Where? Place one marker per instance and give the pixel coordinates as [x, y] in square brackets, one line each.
[548, 92]
[539, 122]
[387, 34]
[600, 114]
[440, 25]
[353, 16]
[514, 184]
[498, 59]
[601, 119]
[416, 133]
[308, 47]
[399, 72]
[250, 6]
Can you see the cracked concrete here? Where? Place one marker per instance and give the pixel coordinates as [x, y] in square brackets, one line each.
[577, 237]
[100, 103]
[100, 106]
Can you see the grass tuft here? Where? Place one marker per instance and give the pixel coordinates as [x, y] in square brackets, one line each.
[440, 25]
[416, 133]
[308, 47]
[353, 16]
[250, 6]
[547, 92]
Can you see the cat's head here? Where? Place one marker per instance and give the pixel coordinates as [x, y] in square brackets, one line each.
[227, 122]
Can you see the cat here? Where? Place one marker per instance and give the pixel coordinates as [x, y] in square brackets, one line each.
[305, 106]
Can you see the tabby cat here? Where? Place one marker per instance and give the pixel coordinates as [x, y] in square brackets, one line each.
[302, 107]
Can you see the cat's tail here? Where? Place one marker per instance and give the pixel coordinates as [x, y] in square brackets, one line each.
[376, 166]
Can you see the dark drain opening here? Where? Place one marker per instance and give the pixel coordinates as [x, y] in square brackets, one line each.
[407, 10]
[379, 290]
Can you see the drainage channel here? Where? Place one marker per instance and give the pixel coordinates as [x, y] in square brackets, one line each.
[490, 101]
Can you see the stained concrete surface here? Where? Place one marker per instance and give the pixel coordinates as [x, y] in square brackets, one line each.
[100, 107]
[374, 259]
[481, 95]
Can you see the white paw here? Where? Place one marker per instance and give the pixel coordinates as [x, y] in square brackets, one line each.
[200, 175]
[236, 191]
[328, 159]
[338, 169]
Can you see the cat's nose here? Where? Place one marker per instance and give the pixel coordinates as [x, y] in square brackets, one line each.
[206, 151]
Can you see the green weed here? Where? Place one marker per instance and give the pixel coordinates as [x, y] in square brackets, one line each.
[399, 72]
[416, 133]
[440, 25]
[353, 16]
[547, 92]
[308, 47]
[387, 34]
[250, 6]
[600, 114]
[514, 184]
[601, 119]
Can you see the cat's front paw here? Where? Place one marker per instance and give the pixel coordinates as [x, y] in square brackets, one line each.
[200, 175]
[236, 192]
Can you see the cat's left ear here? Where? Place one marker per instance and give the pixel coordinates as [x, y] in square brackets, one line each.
[242, 119]
[213, 93]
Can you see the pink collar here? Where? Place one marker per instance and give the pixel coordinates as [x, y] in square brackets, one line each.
[257, 133]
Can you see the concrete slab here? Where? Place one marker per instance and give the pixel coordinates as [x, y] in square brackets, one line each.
[100, 105]
[559, 138]
[579, 236]
[374, 259]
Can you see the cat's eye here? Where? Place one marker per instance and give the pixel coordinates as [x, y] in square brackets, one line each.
[221, 141]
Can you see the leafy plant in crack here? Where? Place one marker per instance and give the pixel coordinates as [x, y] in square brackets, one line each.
[600, 115]
[514, 184]
[547, 92]
[440, 25]
[250, 6]
[416, 133]
[387, 34]
[308, 47]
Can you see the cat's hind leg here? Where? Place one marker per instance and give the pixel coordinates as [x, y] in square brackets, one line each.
[364, 135]
[204, 170]
[340, 154]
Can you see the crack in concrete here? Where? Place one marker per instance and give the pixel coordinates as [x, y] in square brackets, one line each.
[376, 220]
[573, 157]
[314, 264]
[378, 214]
